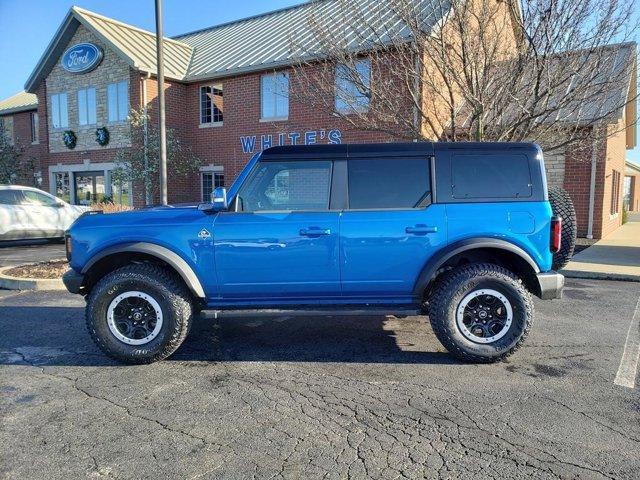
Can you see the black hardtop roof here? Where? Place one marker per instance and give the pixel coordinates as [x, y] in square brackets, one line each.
[393, 149]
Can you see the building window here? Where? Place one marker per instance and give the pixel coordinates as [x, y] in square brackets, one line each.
[274, 95]
[35, 124]
[353, 87]
[59, 111]
[118, 101]
[211, 104]
[615, 192]
[6, 128]
[211, 180]
[87, 106]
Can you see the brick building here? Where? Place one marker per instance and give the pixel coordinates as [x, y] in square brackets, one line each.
[227, 91]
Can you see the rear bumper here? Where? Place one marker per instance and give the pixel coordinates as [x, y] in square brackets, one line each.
[73, 281]
[550, 285]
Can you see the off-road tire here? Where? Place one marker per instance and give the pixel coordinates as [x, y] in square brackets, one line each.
[165, 287]
[451, 290]
[562, 206]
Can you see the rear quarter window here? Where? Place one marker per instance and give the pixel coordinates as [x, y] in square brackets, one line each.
[490, 175]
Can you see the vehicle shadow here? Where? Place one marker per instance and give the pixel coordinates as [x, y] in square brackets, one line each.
[57, 336]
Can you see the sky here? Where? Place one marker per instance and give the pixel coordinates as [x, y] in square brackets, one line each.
[27, 27]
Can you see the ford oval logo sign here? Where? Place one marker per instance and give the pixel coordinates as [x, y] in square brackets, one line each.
[81, 58]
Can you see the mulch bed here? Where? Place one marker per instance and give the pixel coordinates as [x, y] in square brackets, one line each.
[53, 269]
[583, 244]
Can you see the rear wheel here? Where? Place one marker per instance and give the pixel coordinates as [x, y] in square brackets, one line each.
[562, 206]
[481, 312]
[139, 313]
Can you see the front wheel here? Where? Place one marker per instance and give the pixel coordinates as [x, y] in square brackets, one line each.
[481, 312]
[139, 313]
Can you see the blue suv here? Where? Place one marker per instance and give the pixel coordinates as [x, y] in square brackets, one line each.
[462, 232]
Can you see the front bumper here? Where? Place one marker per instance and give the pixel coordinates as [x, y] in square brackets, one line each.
[73, 281]
[550, 285]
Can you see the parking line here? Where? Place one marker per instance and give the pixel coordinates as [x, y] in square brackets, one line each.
[626, 376]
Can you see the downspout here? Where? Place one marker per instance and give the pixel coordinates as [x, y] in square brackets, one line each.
[147, 187]
[592, 188]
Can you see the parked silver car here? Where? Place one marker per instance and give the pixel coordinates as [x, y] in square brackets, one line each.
[26, 213]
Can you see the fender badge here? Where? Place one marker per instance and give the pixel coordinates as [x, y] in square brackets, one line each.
[204, 234]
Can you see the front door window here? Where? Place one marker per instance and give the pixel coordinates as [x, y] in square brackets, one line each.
[287, 186]
[89, 187]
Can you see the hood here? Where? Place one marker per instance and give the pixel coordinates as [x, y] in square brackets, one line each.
[135, 219]
[172, 206]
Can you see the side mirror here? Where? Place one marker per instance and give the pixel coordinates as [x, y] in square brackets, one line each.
[219, 199]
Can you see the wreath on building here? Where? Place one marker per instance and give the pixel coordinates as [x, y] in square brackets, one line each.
[102, 136]
[69, 138]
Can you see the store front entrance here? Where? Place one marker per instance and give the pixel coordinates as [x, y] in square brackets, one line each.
[89, 183]
[89, 187]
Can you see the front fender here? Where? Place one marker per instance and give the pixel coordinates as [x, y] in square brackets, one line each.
[162, 253]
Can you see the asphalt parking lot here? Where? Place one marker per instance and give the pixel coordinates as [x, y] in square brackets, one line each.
[15, 253]
[308, 397]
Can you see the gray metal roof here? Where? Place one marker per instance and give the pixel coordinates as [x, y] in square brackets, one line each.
[134, 45]
[20, 102]
[138, 45]
[284, 36]
[261, 42]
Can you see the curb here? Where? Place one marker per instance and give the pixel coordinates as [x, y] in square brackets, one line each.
[16, 283]
[620, 277]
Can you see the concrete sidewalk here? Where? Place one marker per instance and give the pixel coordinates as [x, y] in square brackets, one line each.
[616, 257]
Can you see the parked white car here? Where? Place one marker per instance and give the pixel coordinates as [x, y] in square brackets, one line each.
[27, 213]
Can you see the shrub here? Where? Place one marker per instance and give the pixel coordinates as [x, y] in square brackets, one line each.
[108, 207]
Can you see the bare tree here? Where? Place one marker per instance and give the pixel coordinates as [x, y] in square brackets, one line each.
[551, 71]
[140, 164]
[15, 167]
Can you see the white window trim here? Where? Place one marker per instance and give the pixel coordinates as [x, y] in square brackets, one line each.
[212, 168]
[210, 124]
[65, 127]
[86, 125]
[282, 118]
[117, 122]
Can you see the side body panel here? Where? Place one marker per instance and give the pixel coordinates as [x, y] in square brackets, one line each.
[382, 252]
[523, 224]
[277, 255]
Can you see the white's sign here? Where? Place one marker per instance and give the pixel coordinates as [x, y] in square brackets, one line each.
[311, 137]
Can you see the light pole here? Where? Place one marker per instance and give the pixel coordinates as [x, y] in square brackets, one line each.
[161, 112]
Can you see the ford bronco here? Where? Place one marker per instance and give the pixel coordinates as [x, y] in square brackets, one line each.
[462, 232]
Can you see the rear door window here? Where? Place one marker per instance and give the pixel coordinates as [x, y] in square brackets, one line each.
[10, 197]
[386, 183]
[489, 175]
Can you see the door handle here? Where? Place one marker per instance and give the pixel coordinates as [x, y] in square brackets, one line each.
[421, 229]
[314, 232]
